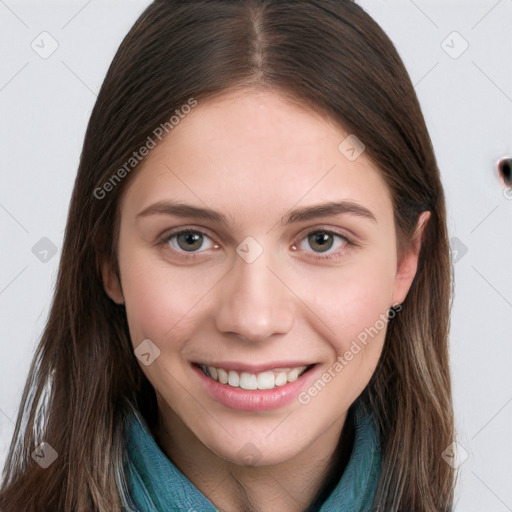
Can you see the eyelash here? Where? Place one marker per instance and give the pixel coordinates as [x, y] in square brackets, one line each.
[348, 243]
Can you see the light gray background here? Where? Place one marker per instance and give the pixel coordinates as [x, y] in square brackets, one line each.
[467, 102]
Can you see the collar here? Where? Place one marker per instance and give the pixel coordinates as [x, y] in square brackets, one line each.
[155, 484]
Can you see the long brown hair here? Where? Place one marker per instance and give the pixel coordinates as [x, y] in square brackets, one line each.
[331, 56]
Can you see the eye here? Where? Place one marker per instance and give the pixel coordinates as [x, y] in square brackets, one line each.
[322, 242]
[190, 241]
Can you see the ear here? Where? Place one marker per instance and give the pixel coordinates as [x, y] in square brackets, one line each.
[408, 264]
[111, 283]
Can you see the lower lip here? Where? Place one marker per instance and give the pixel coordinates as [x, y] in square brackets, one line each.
[258, 399]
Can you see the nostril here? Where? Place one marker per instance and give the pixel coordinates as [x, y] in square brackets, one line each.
[505, 171]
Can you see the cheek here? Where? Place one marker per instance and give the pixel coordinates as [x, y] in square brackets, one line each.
[356, 310]
[353, 301]
[354, 296]
[164, 306]
[161, 303]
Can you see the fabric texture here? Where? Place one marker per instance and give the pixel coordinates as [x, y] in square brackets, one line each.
[155, 484]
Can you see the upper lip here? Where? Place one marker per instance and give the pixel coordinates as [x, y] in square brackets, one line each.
[254, 368]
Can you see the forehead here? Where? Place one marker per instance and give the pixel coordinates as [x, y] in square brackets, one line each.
[251, 151]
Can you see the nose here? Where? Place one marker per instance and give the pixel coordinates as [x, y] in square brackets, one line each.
[254, 302]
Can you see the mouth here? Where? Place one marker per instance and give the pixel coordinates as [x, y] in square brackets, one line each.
[252, 381]
[255, 388]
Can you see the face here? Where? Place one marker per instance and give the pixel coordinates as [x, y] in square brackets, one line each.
[253, 251]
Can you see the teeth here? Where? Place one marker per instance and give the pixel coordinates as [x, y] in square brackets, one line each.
[233, 379]
[222, 376]
[248, 380]
[264, 380]
[281, 379]
[293, 375]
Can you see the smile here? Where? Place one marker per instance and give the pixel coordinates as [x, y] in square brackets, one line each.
[255, 388]
[268, 379]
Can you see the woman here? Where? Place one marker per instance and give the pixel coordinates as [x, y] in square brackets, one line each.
[253, 299]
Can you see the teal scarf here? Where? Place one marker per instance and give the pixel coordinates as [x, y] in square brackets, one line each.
[155, 484]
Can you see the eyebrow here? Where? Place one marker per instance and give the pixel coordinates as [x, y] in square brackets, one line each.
[326, 209]
[298, 215]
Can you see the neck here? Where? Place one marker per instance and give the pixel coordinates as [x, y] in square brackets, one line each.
[290, 486]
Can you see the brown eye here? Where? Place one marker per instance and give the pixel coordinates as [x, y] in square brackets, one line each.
[321, 241]
[323, 244]
[190, 241]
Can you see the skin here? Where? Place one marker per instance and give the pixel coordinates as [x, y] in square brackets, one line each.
[254, 156]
